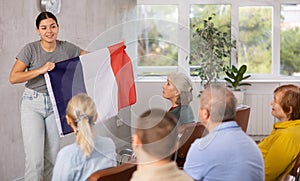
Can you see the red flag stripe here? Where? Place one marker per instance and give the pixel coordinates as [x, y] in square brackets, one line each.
[123, 71]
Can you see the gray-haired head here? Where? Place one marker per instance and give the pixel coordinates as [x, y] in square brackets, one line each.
[183, 84]
[220, 102]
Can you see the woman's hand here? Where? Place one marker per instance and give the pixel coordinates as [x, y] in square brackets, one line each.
[19, 74]
[47, 67]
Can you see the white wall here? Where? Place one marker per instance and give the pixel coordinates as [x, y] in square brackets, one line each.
[81, 22]
[258, 97]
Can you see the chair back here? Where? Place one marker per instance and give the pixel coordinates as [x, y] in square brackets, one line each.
[121, 172]
[296, 168]
[288, 177]
[242, 117]
[189, 133]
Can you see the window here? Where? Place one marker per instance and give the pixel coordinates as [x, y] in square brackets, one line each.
[255, 38]
[290, 39]
[157, 37]
[198, 13]
[267, 34]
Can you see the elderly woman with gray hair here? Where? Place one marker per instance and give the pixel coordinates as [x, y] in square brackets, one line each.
[178, 89]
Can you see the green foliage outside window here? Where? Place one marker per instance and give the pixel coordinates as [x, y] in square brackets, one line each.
[290, 52]
[156, 30]
[255, 39]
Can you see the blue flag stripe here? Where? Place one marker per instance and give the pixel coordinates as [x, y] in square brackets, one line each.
[66, 81]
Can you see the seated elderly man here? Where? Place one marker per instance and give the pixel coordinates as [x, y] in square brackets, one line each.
[226, 153]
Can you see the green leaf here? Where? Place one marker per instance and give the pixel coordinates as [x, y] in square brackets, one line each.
[246, 77]
[234, 69]
[245, 84]
[243, 69]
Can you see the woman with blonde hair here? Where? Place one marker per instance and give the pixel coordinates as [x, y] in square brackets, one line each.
[89, 154]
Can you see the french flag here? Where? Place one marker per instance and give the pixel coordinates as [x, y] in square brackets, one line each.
[106, 75]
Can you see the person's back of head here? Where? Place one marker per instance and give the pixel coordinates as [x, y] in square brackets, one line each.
[81, 114]
[220, 102]
[157, 133]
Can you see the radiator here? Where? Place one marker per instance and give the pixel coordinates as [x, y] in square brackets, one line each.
[261, 119]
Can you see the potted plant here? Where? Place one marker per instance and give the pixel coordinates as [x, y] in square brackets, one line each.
[212, 48]
[235, 78]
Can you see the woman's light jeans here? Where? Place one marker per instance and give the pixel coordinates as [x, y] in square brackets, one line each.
[40, 135]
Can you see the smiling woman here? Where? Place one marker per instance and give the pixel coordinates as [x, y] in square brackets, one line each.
[40, 134]
[48, 30]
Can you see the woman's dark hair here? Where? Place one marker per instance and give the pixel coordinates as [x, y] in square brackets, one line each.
[44, 15]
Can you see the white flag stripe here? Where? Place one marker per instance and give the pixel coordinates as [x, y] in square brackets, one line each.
[100, 83]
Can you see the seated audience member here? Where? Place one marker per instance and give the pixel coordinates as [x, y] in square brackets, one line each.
[226, 153]
[154, 141]
[178, 89]
[282, 146]
[89, 154]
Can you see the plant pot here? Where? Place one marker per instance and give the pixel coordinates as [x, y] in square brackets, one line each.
[239, 95]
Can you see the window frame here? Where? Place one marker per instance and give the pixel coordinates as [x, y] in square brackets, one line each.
[184, 43]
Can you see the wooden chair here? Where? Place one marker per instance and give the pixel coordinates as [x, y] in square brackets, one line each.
[296, 169]
[288, 178]
[121, 172]
[242, 117]
[189, 132]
